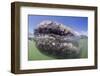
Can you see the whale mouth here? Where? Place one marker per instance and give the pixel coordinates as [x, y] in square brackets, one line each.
[57, 40]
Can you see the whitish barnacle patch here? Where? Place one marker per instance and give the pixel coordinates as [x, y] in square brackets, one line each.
[56, 40]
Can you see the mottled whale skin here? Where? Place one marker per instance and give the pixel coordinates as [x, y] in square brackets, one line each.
[56, 40]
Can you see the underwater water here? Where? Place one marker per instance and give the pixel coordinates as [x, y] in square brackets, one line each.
[35, 54]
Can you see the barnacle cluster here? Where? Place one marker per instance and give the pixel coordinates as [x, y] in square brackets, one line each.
[56, 40]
